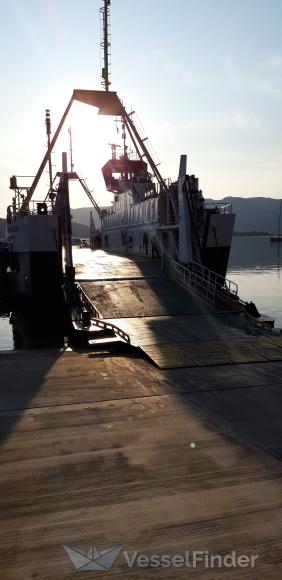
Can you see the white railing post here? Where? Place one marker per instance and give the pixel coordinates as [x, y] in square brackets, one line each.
[204, 281]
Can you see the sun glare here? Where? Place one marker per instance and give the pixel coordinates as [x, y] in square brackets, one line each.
[91, 136]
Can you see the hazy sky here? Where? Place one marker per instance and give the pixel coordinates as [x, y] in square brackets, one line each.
[205, 78]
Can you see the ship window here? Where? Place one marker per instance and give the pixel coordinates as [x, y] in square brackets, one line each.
[42, 208]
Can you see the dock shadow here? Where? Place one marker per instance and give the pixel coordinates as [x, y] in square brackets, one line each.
[23, 373]
[243, 400]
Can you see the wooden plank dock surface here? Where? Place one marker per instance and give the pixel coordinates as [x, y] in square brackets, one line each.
[96, 449]
[103, 448]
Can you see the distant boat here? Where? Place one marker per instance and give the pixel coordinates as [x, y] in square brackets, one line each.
[276, 239]
[80, 242]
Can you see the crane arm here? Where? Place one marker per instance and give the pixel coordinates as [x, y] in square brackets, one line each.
[26, 201]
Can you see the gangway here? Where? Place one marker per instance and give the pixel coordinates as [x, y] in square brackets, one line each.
[86, 322]
[173, 324]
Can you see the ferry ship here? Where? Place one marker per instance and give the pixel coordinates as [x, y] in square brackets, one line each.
[162, 219]
[149, 215]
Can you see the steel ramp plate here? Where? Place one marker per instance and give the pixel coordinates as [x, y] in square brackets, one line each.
[141, 298]
[277, 340]
[169, 323]
[187, 328]
[212, 352]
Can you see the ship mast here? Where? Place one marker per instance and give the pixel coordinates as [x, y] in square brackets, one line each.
[105, 43]
[108, 103]
[48, 133]
[71, 149]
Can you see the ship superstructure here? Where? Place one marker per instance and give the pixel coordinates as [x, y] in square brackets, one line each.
[172, 221]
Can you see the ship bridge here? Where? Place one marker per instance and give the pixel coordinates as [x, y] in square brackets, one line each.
[125, 174]
[124, 170]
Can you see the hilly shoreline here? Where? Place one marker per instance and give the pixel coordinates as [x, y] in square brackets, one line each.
[255, 216]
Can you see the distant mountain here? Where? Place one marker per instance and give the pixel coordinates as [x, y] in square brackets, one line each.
[79, 230]
[253, 214]
[82, 216]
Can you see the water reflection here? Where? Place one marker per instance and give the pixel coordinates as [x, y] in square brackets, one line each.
[255, 266]
[256, 252]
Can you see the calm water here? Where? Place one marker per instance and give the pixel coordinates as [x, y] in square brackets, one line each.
[253, 265]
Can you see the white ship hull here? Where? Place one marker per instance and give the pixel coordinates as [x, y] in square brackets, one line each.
[34, 250]
[131, 227]
[174, 224]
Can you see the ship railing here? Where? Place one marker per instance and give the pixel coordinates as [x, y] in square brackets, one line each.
[222, 208]
[80, 305]
[204, 282]
[166, 221]
[34, 208]
[132, 155]
[84, 301]
[46, 207]
[106, 211]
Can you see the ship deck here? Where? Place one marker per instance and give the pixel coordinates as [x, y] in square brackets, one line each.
[104, 448]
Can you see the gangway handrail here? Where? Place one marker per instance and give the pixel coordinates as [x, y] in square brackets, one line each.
[231, 286]
[205, 282]
[76, 311]
[86, 301]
